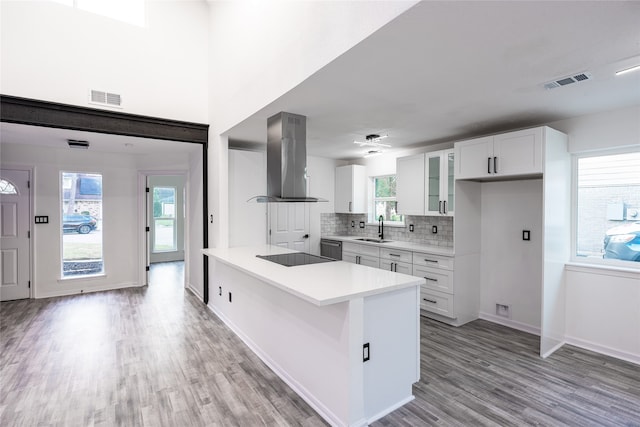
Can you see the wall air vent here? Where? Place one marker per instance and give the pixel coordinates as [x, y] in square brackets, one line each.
[105, 98]
[564, 81]
[74, 143]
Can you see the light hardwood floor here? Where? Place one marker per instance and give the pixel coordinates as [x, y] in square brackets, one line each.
[156, 356]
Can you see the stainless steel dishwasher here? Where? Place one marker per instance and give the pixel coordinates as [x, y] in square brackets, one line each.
[331, 248]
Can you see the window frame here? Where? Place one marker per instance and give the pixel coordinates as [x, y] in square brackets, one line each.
[586, 261]
[371, 202]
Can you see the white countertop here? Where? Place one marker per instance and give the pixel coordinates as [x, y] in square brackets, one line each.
[321, 284]
[397, 244]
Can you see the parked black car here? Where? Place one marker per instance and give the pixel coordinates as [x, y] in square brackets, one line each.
[83, 224]
[623, 242]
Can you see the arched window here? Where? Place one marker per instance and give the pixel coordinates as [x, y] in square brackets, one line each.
[7, 187]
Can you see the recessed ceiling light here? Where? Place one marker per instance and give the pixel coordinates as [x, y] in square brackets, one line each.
[628, 70]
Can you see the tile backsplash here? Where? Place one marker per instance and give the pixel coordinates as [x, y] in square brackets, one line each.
[340, 224]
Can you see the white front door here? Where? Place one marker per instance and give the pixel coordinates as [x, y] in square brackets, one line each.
[14, 234]
[289, 225]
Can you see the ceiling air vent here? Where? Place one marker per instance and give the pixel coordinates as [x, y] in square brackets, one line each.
[564, 81]
[75, 143]
[105, 98]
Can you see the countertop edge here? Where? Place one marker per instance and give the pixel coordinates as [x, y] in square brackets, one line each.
[398, 244]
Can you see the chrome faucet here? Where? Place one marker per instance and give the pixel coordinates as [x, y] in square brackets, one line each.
[381, 227]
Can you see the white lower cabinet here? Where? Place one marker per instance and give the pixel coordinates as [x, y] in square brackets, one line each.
[361, 254]
[437, 302]
[398, 267]
[437, 280]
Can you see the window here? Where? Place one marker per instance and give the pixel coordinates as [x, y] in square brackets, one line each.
[164, 217]
[608, 208]
[383, 200]
[81, 195]
[7, 188]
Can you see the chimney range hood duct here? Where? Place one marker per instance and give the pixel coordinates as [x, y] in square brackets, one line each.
[286, 160]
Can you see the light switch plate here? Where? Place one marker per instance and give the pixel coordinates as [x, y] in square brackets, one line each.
[526, 235]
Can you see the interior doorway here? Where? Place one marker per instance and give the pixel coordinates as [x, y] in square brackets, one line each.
[166, 224]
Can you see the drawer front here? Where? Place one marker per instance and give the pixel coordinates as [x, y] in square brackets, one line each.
[437, 302]
[398, 267]
[349, 258]
[437, 279]
[370, 250]
[433, 261]
[369, 261]
[350, 247]
[396, 255]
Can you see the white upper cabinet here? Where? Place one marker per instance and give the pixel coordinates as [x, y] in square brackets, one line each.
[439, 182]
[425, 183]
[504, 155]
[410, 184]
[351, 189]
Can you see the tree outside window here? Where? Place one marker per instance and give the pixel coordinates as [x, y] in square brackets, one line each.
[384, 201]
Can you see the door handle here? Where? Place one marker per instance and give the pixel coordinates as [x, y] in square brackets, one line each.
[306, 236]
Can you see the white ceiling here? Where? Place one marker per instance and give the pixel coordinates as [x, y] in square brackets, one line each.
[57, 138]
[448, 70]
[439, 72]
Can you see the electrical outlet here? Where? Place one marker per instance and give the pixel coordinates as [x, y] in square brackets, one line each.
[353, 224]
[361, 224]
[434, 229]
[411, 228]
[526, 235]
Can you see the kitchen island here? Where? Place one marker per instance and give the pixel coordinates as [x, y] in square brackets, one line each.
[345, 337]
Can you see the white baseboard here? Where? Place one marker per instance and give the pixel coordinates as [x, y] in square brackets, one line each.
[608, 351]
[510, 323]
[87, 289]
[321, 409]
[195, 291]
[389, 410]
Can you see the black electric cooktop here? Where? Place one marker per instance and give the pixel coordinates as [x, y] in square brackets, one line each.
[295, 258]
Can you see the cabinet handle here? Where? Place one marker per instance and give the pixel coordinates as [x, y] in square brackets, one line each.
[430, 300]
[390, 266]
[394, 255]
[430, 260]
[495, 165]
[430, 279]
[488, 164]
[444, 207]
[395, 267]
[349, 206]
[440, 207]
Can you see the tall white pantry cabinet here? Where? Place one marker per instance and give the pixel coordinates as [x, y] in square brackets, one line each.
[531, 154]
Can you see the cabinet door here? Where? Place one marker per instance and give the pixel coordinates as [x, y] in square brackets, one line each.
[518, 153]
[344, 184]
[448, 181]
[369, 261]
[433, 181]
[350, 257]
[410, 184]
[472, 158]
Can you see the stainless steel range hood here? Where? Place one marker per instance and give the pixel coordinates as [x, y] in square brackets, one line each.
[286, 160]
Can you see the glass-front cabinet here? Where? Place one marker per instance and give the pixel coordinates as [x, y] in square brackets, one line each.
[439, 183]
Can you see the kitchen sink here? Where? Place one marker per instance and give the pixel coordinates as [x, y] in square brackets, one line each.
[365, 239]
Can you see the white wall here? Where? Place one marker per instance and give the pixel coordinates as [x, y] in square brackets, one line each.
[603, 311]
[56, 53]
[262, 49]
[511, 269]
[247, 178]
[121, 209]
